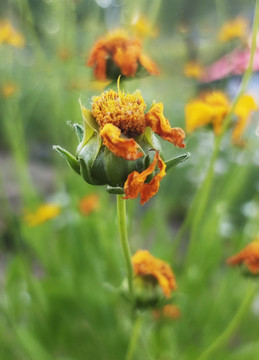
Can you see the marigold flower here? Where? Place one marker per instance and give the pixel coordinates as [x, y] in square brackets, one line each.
[211, 108]
[249, 257]
[234, 29]
[144, 264]
[124, 52]
[10, 36]
[169, 312]
[88, 204]
[116, 144]
[193, 69]
[44, 213]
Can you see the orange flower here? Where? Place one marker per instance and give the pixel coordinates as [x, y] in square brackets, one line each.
[170, 312]
[89, 204]
[212, 108]
[144, 264]
[8, 35]
[193, 69]
[234, 29]
[124, 52]
[44, 213]
[249, 256]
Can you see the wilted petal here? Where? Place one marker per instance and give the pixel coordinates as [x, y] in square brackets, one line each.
[161, 126]
[125, 148]
[135, 183]
[148, 64]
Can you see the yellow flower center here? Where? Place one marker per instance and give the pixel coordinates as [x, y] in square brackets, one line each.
[126, 111]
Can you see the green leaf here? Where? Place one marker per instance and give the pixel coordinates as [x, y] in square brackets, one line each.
[79, 131]
[71, 160]
[115, 190]
[175, 161]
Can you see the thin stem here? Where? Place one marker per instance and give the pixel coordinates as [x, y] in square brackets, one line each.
[121, 213]
[206, 186]
[134, 338]
[224, 337]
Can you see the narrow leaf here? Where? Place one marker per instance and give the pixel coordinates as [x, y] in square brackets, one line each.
[175, 161]
[79, 131]
[71, 160]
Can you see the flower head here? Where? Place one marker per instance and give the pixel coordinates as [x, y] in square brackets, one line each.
[117, 144]
[117, 54]
[44, 213]
[10, 36]
[147, 266]
[249, 257]
[193, 69]
[88, 204]
[211, 108]
[234, 29]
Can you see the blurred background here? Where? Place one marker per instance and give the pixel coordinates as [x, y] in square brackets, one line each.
[61, 263]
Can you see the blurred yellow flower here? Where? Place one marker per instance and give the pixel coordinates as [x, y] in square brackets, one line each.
[88, 204]
[8, 89]
[8, 35]
[234, 29]
[144, 264]
[193, 69]
[211, 108]
[44, 213]
[143, 28]
[169, 312]
[249, 257]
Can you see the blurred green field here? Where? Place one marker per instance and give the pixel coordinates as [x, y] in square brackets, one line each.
[60, 280]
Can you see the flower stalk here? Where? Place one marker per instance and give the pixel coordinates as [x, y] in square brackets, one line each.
[121, 213]
[134, 338]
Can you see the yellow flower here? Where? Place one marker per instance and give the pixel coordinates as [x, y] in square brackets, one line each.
[8, 35]
[249, 257]
[89, 204]
[143, 28]
[44, 213]
[234, 29]
[193, 69]
[125, 54]
[211, 108]
[168, 312]
[8, 89]
[145, 265]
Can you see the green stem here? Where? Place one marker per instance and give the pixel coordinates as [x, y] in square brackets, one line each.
[134, 338]
[224, 337]
[121, 212]
[206, 185]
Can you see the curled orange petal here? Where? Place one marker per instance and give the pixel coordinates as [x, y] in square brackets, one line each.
[126, 59]
[161, 126]
[125, 148]
[135, 183]
[148, 64]
[249, 256]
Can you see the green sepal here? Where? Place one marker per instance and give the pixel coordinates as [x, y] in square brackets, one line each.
[175, 161]
[79, 131]
[115, 190]
[71, 160]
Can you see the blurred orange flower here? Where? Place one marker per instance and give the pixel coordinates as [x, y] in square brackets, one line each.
[10, 36]
[212, 108]
[44, 213]
[126, 54]
[144, 264]
[249, 257]
[170, 312]
[193, 69]
[234, 29]
[9, 89]
[88, 204]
